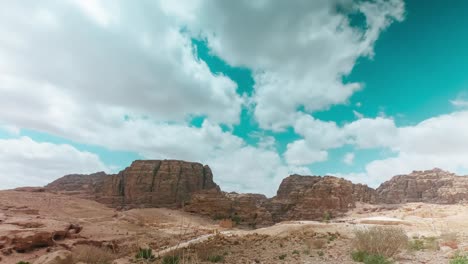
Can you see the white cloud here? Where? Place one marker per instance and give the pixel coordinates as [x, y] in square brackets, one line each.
[139, 62]
[298, 154]
[459, 103]
[29, 163]
[298, 52]
[348, 158]
[124, 75]
[357, 114]
[441, 141]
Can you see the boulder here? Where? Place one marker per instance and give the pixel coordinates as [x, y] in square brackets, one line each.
[57, 257]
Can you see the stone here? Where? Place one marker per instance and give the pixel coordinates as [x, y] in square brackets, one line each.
[430, 186]
[146, 183]
[57, 257]
[315, 197]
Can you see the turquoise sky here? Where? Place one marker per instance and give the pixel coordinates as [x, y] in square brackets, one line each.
[418, 72]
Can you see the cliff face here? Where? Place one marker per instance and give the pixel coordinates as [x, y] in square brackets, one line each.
[432, 186]
[313, 197]
[146, 183]
[189, 185]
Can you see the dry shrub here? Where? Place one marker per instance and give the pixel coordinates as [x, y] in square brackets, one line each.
[317, 243]
[92, 255]
[377, 240]
[449, 240]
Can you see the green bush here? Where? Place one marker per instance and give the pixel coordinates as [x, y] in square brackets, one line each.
[458, 259]
[215, 258]
[416, 245]
[359, 256]
[327, 216]
[362, 256]
[171, 260]
[145, 253]
[376, 259]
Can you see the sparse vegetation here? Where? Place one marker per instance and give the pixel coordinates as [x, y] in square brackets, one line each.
[320, 253]
[92, 255]
[23, 262]
[145, 254]
[327, 216]
[171, 259]
[416, 245]
[449, 240]
[215, 258]
[383, 241]
[362, 256]
[429, 243]
[296, 252]
[459, 259]
[282, 257]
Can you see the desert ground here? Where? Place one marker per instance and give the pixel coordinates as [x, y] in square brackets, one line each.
[440, 230]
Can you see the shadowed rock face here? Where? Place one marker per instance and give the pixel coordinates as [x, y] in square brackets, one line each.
[146, 183]
[431, 186]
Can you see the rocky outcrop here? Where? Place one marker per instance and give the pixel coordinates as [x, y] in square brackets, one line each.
[57, 257]
[314, 197]
[430, 186]
[146, 183]
[247, 209]
[298, 197]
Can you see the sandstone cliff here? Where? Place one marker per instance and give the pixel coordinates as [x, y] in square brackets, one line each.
[146, 183]
[431, 186]
[314, 197]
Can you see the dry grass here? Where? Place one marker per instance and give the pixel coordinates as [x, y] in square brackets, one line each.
[384, 241]
[449, 239]
[92, 255]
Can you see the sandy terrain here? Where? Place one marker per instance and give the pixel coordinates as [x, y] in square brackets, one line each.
[168, 231]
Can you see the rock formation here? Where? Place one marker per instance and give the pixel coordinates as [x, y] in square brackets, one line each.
[188, 185]
[248, 209]
[431, 186]
[146, 183]
[314, 197]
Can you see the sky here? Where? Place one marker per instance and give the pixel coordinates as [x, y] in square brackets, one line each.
[258, 90]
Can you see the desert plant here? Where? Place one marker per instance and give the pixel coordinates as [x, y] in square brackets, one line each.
[320, 253]
[327, 216]
[459, 259]
[92, 255]
[236, 219]
[416, 245]
[385, 241]
[145, 254]
[171, 260]
[215, 258]
[362, 256]
[282, 257]
[376, 259]
[296, 252]
[358, 256]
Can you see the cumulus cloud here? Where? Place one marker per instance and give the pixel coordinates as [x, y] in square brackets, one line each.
[298, 52]
[441, 141]
[110, 54]
[29, 163]
[125, 75]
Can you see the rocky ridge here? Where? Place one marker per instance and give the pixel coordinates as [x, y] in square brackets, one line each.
[430, 186]
[188, 185]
